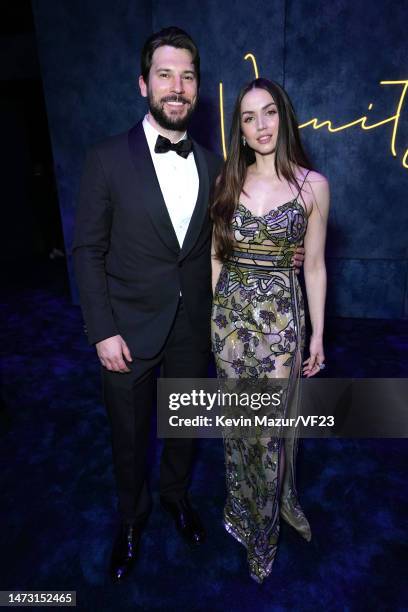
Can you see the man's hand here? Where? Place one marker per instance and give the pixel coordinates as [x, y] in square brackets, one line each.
[298, 258]
[111, 352]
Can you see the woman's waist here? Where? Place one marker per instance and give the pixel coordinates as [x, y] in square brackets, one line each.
[271, 257]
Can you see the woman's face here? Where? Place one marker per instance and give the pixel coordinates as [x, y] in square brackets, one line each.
[259, 121]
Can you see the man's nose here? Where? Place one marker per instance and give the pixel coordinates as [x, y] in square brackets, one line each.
[177, 84]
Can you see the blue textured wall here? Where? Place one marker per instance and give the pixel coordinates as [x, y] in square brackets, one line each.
[336, 55]
[89, 53]
[330, 57]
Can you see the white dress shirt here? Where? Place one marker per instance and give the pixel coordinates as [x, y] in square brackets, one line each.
[178, 180]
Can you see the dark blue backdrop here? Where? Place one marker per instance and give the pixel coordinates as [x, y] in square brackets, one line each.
[331, 58]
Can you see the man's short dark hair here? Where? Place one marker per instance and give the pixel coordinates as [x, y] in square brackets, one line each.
[173, 37]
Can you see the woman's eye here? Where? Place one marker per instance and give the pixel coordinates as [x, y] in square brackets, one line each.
[271, 112]
[248, 119]
[164, 75]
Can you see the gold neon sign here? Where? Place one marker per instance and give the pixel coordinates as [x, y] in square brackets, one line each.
[316, 125]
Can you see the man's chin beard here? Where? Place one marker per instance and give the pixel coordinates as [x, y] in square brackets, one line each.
[177, 125]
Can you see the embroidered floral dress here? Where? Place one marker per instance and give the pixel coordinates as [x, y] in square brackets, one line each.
[258, 331]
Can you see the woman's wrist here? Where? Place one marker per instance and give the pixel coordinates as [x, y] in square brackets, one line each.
[317, 335]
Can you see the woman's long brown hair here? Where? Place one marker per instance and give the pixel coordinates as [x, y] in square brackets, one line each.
[229, 186]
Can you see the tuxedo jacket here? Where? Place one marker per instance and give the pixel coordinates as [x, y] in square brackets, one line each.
[128, 263]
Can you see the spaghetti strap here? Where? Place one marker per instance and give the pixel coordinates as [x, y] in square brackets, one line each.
[304, 180]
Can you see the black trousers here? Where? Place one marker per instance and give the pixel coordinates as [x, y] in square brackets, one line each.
[129, 399]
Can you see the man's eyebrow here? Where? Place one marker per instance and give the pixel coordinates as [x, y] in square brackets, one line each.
[250, 112]
[170, 70]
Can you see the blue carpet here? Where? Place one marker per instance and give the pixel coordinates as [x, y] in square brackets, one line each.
[58, 500]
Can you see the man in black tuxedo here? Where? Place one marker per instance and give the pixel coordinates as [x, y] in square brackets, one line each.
[142, 263]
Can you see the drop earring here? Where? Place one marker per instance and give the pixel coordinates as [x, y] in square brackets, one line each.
[244, 141]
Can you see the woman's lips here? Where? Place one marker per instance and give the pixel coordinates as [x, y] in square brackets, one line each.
[264, 139]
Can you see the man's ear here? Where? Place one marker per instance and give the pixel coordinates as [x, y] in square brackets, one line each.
[143, 86]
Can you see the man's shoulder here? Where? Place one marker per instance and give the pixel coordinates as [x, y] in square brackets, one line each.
[214, 160]
[115, 143]
[110, 144]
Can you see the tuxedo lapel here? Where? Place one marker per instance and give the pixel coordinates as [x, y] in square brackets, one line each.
[149, 188]
[201, 207]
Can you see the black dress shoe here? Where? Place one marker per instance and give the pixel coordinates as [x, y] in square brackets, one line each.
[125, 550]
[186, 519]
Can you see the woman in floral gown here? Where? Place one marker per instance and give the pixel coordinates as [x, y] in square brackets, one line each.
[267, 202]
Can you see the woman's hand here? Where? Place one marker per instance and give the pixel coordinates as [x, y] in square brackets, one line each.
[311, 366]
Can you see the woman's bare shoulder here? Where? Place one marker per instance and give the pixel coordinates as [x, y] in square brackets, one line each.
[312, 176]
[316, 186]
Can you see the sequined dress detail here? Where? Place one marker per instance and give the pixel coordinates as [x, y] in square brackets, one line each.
[257, 331]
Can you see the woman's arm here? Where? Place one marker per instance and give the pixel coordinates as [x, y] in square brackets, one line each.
[315, 270]
[216, 266]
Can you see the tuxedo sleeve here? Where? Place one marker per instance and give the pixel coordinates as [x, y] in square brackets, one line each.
[91, 243]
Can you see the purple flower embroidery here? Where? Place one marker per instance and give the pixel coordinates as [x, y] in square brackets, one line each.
[283, 305]
[267, 364]
[221, 320]
[247, 294]
[290, 334]
[267, 317]
[218, 344]
[238, 366]
[244, 335]
[222, 281]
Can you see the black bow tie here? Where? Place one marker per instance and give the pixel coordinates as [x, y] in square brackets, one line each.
[183, 147]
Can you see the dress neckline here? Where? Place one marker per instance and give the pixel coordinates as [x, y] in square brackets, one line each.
[272, 210]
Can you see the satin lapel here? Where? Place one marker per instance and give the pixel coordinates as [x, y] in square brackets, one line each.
[149, 190]
[201, 207]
